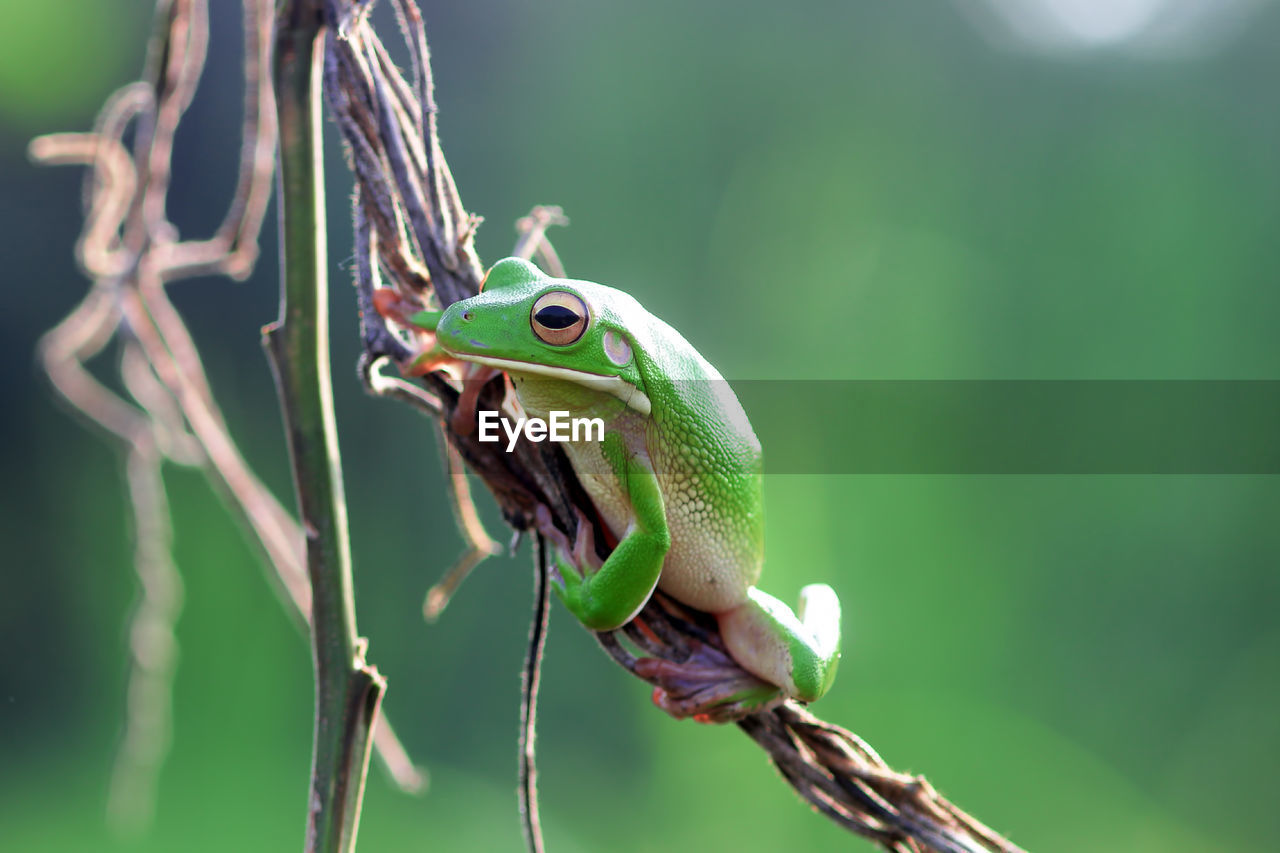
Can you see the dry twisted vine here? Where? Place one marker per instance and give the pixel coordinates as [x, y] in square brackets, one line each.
[130, 251]
[413, 236]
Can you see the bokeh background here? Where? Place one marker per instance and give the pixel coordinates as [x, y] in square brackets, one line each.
[987, 189]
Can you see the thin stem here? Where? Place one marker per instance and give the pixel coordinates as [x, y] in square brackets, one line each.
[348, 692]
[530, 821]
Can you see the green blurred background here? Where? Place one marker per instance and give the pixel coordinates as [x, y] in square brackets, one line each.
[807, 190]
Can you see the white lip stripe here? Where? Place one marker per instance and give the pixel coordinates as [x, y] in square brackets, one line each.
[612, 385]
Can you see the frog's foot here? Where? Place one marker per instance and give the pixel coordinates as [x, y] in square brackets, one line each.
[710, 691]
[574, 564]
[796, 651]
[582, 551]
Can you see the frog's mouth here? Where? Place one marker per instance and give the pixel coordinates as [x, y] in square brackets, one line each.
[615, 386]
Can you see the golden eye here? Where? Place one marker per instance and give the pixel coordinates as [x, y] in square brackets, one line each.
[559, 318]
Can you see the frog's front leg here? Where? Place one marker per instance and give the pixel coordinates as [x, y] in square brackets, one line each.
[796, 651]
[609, 597]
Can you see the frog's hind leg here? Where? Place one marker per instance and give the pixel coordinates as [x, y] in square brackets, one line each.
[796, 651]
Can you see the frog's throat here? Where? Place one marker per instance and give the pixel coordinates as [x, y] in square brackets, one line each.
[613, 385]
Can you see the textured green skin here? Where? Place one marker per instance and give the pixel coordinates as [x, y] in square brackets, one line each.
[677, 479]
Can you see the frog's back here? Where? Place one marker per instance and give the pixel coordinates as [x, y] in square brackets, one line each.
[708, 462]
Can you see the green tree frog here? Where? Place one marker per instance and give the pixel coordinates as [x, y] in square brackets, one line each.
[676, 482]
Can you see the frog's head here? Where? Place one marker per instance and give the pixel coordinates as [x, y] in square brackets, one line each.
[527, 323]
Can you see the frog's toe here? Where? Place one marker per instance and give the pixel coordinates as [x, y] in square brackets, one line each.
[547, 527]
[584, 544]
[707, 692]
[724, 704]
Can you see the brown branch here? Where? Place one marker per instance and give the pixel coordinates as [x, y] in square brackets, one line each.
[478, 544]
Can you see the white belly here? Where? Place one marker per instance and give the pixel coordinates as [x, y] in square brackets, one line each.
[710, 564]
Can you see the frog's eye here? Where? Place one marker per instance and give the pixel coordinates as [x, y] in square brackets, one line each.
[559, 318]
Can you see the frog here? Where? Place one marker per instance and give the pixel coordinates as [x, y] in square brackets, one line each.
[676, 483]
